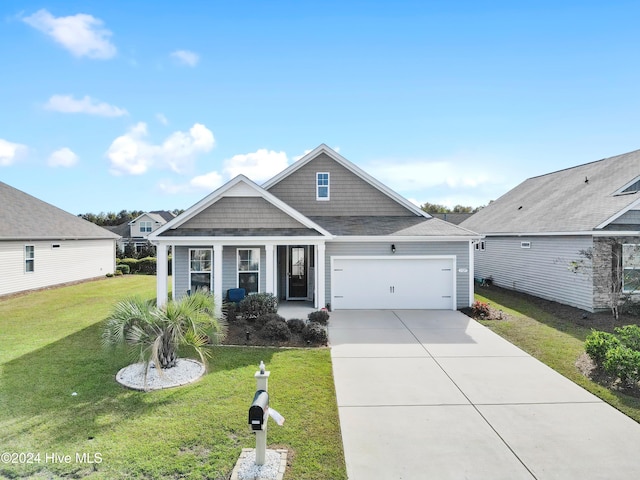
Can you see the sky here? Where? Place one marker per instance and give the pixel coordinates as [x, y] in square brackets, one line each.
[121, 105]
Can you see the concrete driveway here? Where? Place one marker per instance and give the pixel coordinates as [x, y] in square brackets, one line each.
[435, 395]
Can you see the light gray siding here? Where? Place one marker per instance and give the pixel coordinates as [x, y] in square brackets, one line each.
[349, 194]
[459, 249]
[632, 217]
[181, 271]
[242, 212]
[542, 270]
[229, 269]
[55, 262]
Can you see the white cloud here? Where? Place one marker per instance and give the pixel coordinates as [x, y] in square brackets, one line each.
[81, 34]
[186, 57]
[180, 147]
[208, 181]
[10, 152]
[132, 154]
[63, 157]
[88, 105]
[162, 119]
[258, 166]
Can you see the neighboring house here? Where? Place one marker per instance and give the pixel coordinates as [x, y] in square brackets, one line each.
[41, 245]
[323, 231]
[455, 218]
[565, 235]
[136, 232]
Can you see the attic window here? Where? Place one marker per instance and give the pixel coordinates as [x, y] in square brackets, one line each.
[322, 186]
[525, 244]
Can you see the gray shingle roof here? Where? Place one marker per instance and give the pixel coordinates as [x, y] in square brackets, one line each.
[24, 217]
[389, 225]
[576, 199]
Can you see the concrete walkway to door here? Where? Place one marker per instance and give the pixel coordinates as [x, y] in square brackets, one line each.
[436, 395]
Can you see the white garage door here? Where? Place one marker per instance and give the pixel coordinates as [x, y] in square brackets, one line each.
[393, 283]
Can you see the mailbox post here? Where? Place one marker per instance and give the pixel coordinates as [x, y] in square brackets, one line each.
[259, 406]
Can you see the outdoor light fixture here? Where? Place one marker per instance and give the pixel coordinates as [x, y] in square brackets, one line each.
[393, 248]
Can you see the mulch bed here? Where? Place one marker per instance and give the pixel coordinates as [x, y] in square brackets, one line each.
[242, 332]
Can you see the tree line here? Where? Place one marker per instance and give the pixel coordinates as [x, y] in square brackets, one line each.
[111, 219]
[436, 208]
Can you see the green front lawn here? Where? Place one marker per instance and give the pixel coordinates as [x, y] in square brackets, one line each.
[50, 349]
[553, 340]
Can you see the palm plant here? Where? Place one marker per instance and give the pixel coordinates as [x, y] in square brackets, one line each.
[157, 333]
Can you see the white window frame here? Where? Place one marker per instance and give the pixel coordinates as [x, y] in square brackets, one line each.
[525, 244]
[626, 268]
[201, 270]
[245, 271]
[319, 186]
[146, 227]
[29, 258]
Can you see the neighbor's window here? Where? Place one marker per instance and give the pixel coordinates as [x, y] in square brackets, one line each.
[631, 268]
[322, 186]
[145, 227]
[29, 258]
[249, 269]
[200, 269]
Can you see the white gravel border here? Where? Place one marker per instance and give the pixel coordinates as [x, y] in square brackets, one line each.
[273, 469]
[185, 372]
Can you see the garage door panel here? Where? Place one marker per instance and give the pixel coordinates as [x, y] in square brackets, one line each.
[397, 283]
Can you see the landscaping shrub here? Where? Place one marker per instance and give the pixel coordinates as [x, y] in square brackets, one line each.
[624, 363]
[480, 309]
[132, 263]
[262, 320]
[276, 329]
[296, 325]
[258, 304]
[598, 343]
[320, 316]
[230, 310]
[147, 265]
[315, 333]
[123, 268]
[629, 336]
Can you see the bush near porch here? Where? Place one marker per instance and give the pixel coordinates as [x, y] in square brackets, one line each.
[50, 348]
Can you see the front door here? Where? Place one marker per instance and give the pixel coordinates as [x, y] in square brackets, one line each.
[297, 267]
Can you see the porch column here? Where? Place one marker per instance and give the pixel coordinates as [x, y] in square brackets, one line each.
[217, 277]
[270, 264]
[320, 274]
[162, 272]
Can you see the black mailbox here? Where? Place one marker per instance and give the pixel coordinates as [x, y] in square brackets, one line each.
[258, 410]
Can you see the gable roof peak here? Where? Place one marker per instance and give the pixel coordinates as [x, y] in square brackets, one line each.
[331, 153]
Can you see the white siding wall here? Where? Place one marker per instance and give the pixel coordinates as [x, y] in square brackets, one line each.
[542, 270]
[459, 249]
[74, 260]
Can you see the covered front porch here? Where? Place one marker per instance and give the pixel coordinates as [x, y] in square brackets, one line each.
[292, 269]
